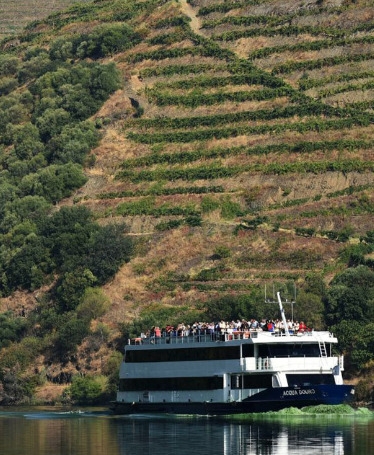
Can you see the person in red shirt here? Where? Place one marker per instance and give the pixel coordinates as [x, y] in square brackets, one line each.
[302, 327]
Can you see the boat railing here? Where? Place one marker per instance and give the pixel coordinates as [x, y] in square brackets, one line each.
[206, 336]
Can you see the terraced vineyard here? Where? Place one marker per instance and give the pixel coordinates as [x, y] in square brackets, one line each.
[16, 14]
[250, 131]
[240, 149]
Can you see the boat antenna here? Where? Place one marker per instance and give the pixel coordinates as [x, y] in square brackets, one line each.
[283, 315]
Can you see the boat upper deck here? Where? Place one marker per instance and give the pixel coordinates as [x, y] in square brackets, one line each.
[242, 336]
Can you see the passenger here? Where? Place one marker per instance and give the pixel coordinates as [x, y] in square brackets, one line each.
[211, 328]
[222, 326]
[270, 326]
[245, 325]
[254, 324]
[302, 327]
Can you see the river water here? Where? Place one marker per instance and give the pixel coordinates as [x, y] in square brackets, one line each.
[52, 431]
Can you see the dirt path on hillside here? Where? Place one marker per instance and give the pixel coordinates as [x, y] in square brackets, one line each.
[189, 11]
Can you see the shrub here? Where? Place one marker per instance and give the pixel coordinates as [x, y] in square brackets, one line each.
[85, 390]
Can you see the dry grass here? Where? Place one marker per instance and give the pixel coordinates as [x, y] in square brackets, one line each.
[16, 14]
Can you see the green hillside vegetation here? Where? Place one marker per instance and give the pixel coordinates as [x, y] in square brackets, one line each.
[163, 162]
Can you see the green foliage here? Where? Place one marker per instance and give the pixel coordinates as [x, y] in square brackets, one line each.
[105, 41]
[93, 304]
[209, 204]
[230, 209]
[19, 355]
[311, 309]
[351, 296]
[196, 98]
[73, 143]
[85, 390]
[289, 67]
[67, 233]
[111, 370]
[108, 249]
[17, 211]
[356, 340]
[8, 65]
[233, 307]
[70, 335]
[54, 182]
[28, 267]
[71, 289]
[167, 225]
[11, 328]
[305, 232]
[51, 122]
[66, 242]
[222, 251]
[7, 85]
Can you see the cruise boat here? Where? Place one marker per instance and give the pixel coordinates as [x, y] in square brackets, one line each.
[231, 373]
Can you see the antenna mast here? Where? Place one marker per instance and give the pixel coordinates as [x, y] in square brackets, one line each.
[283, 315]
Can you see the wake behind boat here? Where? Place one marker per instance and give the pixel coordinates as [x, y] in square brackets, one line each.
[230, 373]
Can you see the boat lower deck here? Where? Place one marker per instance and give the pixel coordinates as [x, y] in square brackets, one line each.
[271, 399]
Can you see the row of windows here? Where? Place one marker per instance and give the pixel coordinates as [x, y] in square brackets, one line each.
[289, 350]
[183, 354]
[309, 379]
[203, 383]
[199, 383]
[222, 353]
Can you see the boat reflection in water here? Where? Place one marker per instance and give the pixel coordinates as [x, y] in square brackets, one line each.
[224, 437]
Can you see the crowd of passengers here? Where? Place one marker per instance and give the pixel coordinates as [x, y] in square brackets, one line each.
[222, 327]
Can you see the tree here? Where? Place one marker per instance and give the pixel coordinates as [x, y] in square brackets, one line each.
[11, 328]
[85, 390]
[8, 194]
[233, 307]
[67, 233]
[27, 268]
[71, 288]
[26, 140]
[51, 122]
[54, 182]
[33, 208]
[94, 303]
[356, 341]
[310, 308]
[108, 250]
[70, 335]
[351, 296]
[9, 65]
[73, 143]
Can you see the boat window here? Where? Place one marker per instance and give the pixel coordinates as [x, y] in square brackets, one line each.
[199, 383]
[182, 355]
[257, 381]
[239, 381]
[289, 350]
[309, 379]
[248, 350]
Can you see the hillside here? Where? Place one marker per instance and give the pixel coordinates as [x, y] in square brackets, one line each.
[238, 150]
[16, 14]
[278, 137]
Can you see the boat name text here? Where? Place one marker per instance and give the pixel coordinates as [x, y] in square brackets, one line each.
[299, 392]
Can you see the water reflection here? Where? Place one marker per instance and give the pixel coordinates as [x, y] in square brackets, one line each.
[47, 432]
[51, 432]
[308, 436]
